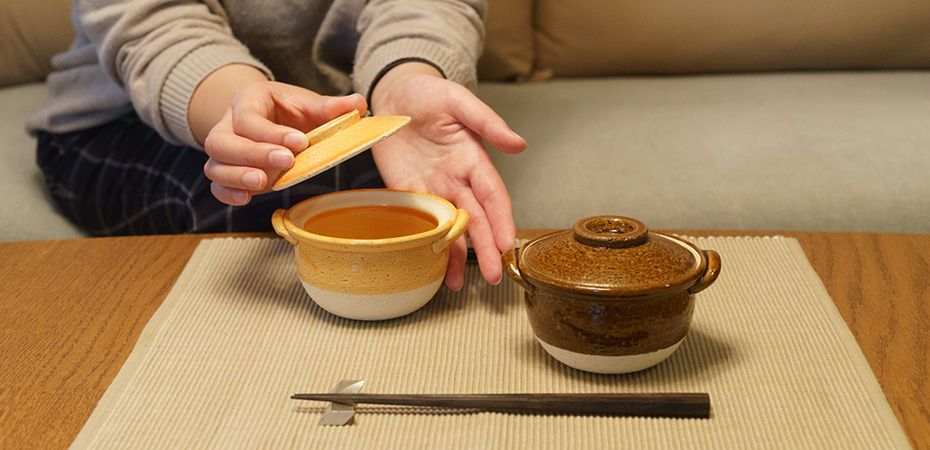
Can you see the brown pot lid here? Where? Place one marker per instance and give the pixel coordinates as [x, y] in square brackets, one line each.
[611, 255]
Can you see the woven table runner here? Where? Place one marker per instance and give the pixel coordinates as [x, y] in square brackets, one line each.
[237, 336]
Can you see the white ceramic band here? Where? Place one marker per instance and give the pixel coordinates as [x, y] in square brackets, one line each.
[609, 364]
[373, 307]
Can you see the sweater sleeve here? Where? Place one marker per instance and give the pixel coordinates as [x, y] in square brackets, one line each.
[448, 34]
[158, 51]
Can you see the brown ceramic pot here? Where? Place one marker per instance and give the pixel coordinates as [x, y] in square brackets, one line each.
[608, 295]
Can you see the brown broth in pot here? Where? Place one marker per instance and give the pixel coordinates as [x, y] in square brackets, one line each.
[370, 222]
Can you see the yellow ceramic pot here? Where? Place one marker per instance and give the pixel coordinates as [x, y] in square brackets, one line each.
[372, 279]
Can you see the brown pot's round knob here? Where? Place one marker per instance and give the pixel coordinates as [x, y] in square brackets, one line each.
[610, 231]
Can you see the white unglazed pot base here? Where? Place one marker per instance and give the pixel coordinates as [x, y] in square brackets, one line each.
[609, 364]
[373, 307]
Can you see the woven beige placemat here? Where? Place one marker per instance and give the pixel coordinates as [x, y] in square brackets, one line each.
[237, 336]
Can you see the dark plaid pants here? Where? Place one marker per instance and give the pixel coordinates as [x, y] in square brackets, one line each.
[122, 178]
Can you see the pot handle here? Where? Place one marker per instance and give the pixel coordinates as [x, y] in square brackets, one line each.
[458, 227]
[277, 221]
[710, 274]
[509, 261]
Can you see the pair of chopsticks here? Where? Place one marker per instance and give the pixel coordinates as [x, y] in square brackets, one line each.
[692, 405]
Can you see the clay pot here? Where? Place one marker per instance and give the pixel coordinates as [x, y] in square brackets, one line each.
[608, 295]
[371, 279]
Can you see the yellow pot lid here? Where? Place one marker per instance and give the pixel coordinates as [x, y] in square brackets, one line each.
[337, 141]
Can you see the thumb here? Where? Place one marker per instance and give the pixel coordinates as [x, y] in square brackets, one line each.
[336, 113]
[334, 107]
[505, 139]
[480, 118]
[300, 111]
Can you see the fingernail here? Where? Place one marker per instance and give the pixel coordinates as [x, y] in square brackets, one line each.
[240, 197]
[252, 180]
[296, 141]
[281, 159]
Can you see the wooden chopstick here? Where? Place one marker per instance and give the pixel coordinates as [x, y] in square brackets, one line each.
[694, 405]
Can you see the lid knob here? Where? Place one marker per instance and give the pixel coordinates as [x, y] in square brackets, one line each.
[610, 231]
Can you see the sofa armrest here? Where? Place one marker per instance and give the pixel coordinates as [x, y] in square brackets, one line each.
[31, 32]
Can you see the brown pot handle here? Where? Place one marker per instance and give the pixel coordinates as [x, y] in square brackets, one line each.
[509, 261]
[710, 274]
[610, 232]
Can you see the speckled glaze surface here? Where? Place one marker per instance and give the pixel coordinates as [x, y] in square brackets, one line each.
[343, 274]
[608, 327]
[611, 256]
[609, 287]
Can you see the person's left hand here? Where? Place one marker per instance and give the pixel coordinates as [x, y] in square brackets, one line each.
[441, 153]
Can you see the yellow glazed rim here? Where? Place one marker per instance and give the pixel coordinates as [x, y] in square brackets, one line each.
[444, 211]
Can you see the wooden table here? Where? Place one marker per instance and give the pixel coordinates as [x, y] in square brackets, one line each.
[71, 311]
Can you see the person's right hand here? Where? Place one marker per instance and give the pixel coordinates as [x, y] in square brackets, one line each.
[259, 133]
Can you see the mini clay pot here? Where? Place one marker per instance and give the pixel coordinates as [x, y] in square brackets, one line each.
[371, 279]
[608, 295]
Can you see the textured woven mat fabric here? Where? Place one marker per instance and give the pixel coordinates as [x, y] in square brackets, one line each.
[237, 335]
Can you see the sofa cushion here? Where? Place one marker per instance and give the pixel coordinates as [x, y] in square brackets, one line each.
[27, 211]
[605, 37]
[817, 151]
[508, 51]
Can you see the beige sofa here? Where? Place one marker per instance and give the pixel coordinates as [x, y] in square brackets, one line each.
[775, 115]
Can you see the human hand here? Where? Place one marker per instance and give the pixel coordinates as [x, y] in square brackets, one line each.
[260, 132]
[441, 152]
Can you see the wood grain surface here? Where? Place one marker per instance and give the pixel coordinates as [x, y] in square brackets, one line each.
[71, 312]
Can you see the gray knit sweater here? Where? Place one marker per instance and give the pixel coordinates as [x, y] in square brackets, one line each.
[150, 55]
